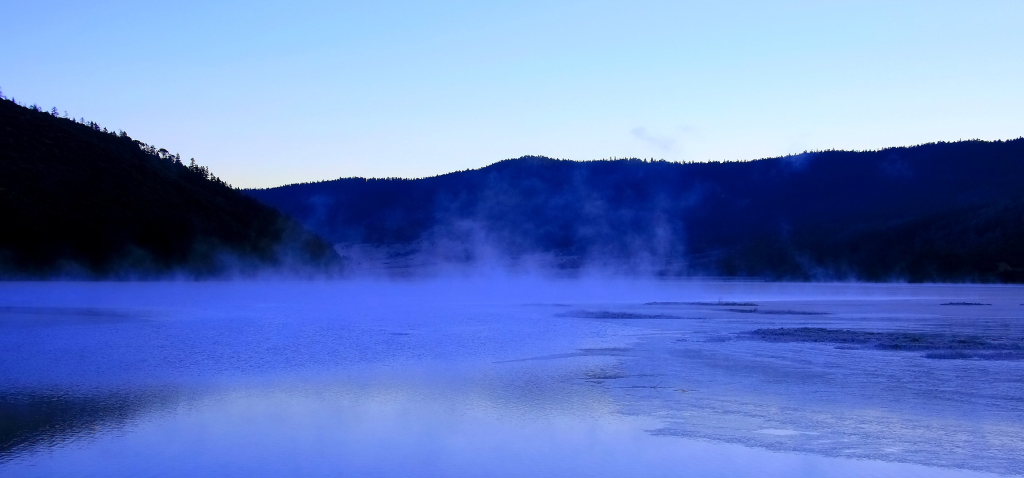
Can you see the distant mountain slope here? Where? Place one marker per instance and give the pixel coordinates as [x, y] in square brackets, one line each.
[77, 201]
[941, 211]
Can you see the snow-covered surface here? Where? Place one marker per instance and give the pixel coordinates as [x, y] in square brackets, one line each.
[510, 377]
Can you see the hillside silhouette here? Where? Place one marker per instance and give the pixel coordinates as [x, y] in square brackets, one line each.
[79, 201]
[934, 212]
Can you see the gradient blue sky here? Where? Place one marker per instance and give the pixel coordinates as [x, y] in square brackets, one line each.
[268, 93]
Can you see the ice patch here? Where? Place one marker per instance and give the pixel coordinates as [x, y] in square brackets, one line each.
[783, 432]
[945, 346]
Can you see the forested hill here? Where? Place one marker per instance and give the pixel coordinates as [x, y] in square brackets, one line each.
[78, 201]
[933, 212]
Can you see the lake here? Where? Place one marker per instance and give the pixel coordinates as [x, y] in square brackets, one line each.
[510, 376]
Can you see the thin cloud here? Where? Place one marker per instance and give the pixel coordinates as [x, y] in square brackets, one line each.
[662, 143]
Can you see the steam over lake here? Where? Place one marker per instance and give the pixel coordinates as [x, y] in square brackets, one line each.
[510, 377]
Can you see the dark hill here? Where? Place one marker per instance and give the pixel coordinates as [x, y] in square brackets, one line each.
[941, 211]
[77, 201]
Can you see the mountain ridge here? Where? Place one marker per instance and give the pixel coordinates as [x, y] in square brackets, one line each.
[78, 201]
[808, 216]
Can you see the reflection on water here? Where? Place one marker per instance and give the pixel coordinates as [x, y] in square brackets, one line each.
[407, 379]
[38, 419]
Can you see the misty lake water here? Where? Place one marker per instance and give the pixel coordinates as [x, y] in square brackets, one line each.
[510, 377]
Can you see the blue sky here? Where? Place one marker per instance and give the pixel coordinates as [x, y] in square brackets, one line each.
[268, 93]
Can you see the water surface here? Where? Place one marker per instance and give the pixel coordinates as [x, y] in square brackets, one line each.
[510, 378]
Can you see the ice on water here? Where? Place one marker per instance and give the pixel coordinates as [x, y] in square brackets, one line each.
[511, 377]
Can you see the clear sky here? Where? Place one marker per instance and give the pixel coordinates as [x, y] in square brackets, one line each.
[268, 93]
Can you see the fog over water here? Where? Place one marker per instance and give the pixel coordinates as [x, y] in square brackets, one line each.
[510, 376]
